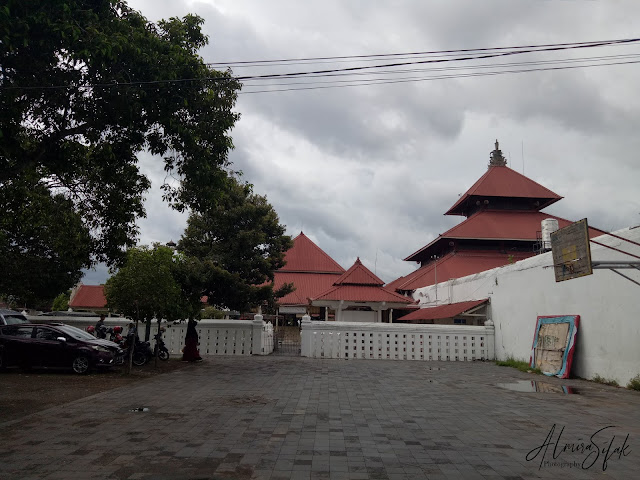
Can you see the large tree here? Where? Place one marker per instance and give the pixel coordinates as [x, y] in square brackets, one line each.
[85, 86]
[240, 243]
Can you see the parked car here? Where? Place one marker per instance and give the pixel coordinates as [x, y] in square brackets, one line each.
[55, 345]
[11, 317]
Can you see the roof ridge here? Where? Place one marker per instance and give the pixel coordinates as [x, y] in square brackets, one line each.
[356, 272]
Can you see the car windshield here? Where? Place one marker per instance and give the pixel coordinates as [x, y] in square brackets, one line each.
[76, 333]
[15, 319]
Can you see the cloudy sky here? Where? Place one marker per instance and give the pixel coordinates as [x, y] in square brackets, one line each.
[369, 169]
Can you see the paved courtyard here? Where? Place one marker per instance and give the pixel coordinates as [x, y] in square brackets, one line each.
[299, 418]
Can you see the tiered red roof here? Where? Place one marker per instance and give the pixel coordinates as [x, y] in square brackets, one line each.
[89, 297]
[496, 225]
[359, 284]
[502, 225]
[455, 264]
[310, 270]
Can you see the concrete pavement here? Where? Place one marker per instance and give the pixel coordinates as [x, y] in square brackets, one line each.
[299, 418]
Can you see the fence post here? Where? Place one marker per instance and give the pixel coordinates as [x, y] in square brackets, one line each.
[305, 336]
[491, 339]
[256, 337]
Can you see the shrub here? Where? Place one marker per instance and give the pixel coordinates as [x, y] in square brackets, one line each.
[634, 383]
[604, 381]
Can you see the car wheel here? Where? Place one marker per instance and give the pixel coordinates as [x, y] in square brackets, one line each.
[81, 364]
[139, 359]
[163, 355]
[2, 364]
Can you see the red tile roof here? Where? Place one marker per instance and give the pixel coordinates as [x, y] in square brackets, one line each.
[310, 270]
[501, 181]
[307, 285]
[358, 274]
[89, 296]
[359, 284]
[442, 311]
[455, 265]
[362, 293]
[306, 256]
[498, 225]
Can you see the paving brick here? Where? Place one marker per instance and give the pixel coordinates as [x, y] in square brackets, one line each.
[283, 418]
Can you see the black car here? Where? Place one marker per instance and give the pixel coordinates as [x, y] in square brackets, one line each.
[55, 345]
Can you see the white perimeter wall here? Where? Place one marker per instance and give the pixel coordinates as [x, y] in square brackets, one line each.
[358, 316]
[608, 342]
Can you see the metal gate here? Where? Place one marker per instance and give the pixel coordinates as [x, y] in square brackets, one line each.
[286, 341]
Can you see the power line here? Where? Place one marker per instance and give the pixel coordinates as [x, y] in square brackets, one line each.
[440, 77]
[503, 51]
[409, 54]
[439, 60]
[466, 67]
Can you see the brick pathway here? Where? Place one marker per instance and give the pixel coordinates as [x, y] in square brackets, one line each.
[298, 418]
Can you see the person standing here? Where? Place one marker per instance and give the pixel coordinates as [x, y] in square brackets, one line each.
[190, 352]
[101, 329]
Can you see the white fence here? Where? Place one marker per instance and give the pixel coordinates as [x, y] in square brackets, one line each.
[216, 337]
[225, 337]
[351, 340]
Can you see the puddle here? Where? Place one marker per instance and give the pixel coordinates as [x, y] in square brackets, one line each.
[139, 409]
[533, 386]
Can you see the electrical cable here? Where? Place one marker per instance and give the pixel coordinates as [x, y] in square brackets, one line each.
[350, 70]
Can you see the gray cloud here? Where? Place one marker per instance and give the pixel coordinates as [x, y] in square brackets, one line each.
[369, 171]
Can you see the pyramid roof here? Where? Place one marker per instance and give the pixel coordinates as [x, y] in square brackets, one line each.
[306, 256]
[358, 274]
[502, 181]
[359, 284]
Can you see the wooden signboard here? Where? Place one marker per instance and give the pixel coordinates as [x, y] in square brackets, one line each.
[571, 251]
[554, 344]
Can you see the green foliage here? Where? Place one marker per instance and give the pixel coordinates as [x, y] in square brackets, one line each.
[604, 381]
[145, 287]
[44, 244]
[240, 243]
[61, 302]
[634, 383]
[211, 312]
[521, 365]
[85, 88]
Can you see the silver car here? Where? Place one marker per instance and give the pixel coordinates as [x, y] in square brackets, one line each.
[11, 317]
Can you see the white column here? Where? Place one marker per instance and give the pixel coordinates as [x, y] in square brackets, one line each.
[256, 335]
[305, 336]
[491, 339]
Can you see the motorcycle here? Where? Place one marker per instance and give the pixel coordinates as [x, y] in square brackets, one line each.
[142, 352]
[160, 349]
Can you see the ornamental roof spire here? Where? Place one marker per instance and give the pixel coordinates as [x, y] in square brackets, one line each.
[496, 159]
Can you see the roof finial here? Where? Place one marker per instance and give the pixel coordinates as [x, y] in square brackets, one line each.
[496, 159]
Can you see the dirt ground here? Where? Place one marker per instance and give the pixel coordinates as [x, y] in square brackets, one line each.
[23, 393]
